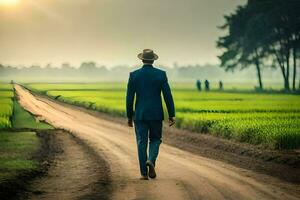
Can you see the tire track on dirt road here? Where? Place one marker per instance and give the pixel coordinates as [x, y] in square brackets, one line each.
[181, 175]
[75, 173]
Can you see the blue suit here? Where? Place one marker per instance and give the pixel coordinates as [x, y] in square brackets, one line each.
[146, 85]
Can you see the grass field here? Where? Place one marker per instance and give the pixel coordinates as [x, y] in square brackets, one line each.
[6, 108]
[6, 86]
[272, 120]
[16, 150]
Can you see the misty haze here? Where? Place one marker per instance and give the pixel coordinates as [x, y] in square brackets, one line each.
[150, 100]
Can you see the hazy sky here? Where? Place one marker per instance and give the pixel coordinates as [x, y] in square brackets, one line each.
[110, 32]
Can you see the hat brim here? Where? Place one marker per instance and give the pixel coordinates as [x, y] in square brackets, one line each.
[140, 56]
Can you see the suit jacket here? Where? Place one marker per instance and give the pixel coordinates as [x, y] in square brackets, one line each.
[147, 84]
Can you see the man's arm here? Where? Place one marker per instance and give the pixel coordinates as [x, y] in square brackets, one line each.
[168, 99]
[129, 100]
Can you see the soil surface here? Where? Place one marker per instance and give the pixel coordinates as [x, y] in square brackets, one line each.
[181, 174]
[284, 164]
[75, 173]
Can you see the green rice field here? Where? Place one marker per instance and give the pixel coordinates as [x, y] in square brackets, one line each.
[6, 105]
[271, 120]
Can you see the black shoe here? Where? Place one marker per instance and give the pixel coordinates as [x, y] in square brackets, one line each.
[151, 173]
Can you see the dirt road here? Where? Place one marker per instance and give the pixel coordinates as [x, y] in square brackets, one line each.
[181, 175]
[74, 173]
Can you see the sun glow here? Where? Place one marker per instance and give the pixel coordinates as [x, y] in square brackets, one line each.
[9, 2]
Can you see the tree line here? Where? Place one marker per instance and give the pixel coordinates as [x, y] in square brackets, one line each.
[91, 71]
[263, 33]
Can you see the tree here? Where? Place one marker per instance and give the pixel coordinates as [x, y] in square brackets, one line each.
[261, 30]
[242, 46]
[283, 20]
[66, 66]
[88, 66]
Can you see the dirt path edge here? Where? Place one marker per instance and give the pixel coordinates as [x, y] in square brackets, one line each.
[16, 187]
[61, 180]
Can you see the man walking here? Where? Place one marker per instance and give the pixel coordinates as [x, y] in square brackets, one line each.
[147, 84]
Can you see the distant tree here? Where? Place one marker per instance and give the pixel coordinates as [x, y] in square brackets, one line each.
[34, 67]
[48, 66]
[260, 30]
[88, 66]
[284, 33]
[242, 45]
[296, 56]
[93, 70]
[66, 66]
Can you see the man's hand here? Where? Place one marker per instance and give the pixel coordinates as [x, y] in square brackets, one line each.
[171, 121]
[130, 123]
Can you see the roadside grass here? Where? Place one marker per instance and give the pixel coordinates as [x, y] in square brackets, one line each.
[18, 141]
[23, 119]
[16, 150]
[6, 108]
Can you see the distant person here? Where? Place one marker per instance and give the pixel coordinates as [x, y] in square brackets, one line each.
[220, 85]
[147, 84]
[206, 85]
[198, 85]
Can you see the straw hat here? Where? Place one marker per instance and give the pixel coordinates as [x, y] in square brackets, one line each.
[147, 54]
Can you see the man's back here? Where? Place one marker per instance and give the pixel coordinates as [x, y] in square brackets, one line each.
[147, 83]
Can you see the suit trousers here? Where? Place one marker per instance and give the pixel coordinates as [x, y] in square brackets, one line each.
[147, 130]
